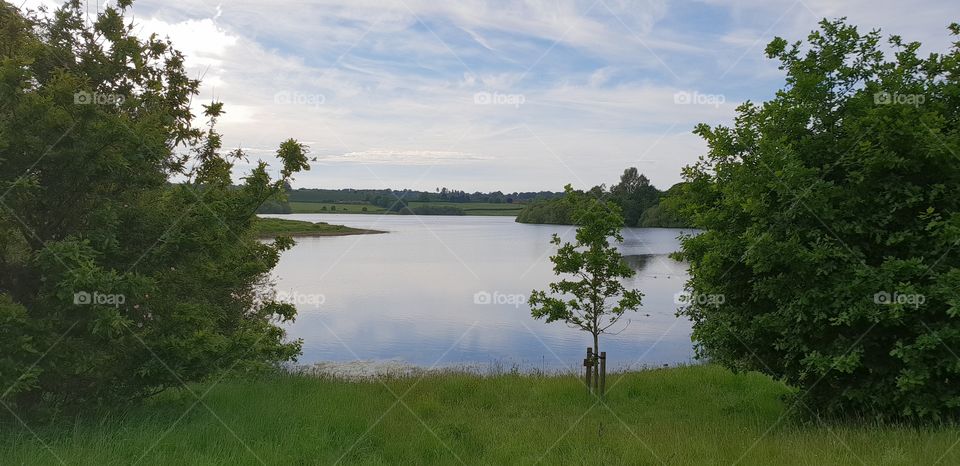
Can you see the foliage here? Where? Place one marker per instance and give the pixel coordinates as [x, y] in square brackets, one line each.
[642, 203]
[277, 204]
[115, 284]
[634, 194]
[591, 296]
[442, 195]
[273, 227]
[553, 212]
[667, 212]
[831, 225]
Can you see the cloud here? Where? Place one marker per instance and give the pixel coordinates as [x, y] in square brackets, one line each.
[384, 91]
[402, 157]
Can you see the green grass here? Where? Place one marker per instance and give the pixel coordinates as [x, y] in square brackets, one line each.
[476, 208]
[691, 415]
[315, 208]
[469, 208]
[271, 227]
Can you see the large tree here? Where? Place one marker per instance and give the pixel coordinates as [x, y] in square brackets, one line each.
[831, 222]
[635, 195]
[115, 283]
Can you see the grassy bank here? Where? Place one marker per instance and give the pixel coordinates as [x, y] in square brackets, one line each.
[272, 227]
[692, 415]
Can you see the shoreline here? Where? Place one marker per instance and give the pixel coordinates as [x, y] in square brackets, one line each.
[271, 227]
[308, 234]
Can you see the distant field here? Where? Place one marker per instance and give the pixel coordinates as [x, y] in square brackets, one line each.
[469, 208]
[476, 208]
[325, 208]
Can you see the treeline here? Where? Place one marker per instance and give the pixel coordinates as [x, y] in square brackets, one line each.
[642, 204]
[361, 196]
[396, 200]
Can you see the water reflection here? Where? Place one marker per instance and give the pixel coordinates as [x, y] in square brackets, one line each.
[452, 290]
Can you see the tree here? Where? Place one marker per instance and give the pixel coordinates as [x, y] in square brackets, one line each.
[635, 195]
[666, 213]
[124, 282]
[831, 216]
[593, 297]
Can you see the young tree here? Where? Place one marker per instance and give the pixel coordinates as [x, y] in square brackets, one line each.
[831, 220]
[591, 297]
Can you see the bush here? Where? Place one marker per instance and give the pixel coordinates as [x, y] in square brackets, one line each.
[114, 283]
[831, 220]
[551, 211]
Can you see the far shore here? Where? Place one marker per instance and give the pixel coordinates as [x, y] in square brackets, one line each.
[268, 227]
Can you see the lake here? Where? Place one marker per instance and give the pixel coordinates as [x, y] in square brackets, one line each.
[441, 291]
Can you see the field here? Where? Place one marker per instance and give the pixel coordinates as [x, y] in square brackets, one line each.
[324, 208]
[271, 227]
[679, 416]
[476, 208]
[469, 208]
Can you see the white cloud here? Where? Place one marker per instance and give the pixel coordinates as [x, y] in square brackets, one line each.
[201, 41]
[403, 157]
[384, 90]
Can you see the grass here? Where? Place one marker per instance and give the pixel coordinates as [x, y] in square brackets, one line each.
[315, 208]
[271, 227]
[469, 208]
[476, 208]
[689, 415]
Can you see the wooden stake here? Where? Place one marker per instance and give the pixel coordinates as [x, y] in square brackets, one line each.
[588, 364]
[603, 373]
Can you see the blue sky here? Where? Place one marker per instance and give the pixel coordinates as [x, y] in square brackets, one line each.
[496, 95]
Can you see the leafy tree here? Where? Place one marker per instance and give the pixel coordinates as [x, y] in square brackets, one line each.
[279, 203]
[666, 213]
[642, 203]
[551, 211]
[815, 206]
[634, 194]
[591, 297]
[114, 283]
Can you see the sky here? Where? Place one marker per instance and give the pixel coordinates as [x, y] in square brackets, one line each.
[486, 95]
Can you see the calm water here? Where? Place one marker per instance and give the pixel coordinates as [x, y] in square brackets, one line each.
[447, 290]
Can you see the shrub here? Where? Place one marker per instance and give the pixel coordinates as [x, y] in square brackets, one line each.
[114, 283]
[822, 210]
